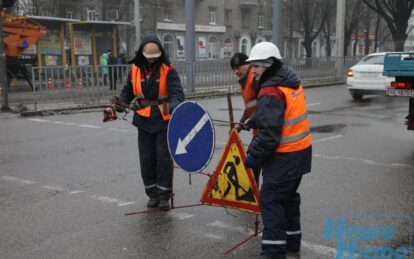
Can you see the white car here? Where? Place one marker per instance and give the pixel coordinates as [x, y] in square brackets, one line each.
[366, 77]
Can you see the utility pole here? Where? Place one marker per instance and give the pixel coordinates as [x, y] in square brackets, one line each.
[276, 22]
[137, 24]
[3, 74]
[340, 27]
[340, 32]
[189, 47]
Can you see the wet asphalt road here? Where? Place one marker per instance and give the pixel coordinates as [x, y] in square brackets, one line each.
[66, 182]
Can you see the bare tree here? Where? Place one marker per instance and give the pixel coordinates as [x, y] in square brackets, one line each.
[396, 14]
[38, 7]
[367, 29]
[312, 15]
[327, 29]
[353, 18]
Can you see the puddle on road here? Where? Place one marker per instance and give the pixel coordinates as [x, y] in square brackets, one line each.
[328, 128]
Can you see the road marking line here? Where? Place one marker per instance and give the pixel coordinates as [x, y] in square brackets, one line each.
[125, 203]
[400, 165]
[212, 236]
[220, 224]
[39, 120]
[96, 197]
[320, 250]
[74, 192]
[107, 199]
[180, 215]
[89, 126]
[53, 188]
[327, 139]
[366, 161]
[82, 125]
[16, 180]
[121, 130]
[312, 104]
[64, 123]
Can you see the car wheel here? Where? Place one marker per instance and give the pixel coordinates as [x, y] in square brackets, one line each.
[357, 96]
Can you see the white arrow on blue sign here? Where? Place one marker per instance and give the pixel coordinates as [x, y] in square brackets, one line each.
[191, 137]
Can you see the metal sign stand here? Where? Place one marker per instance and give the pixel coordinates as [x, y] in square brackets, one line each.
[256, 223]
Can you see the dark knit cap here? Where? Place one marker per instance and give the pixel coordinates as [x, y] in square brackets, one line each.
[238, 59]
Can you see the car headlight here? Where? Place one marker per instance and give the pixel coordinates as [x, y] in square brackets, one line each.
[350, 73]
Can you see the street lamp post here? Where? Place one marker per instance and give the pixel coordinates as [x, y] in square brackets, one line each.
[3, 74]
[189, 43]
[340, 31]
[137, 24]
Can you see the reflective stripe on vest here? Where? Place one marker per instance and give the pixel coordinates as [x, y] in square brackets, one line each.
[249, 95]
[296, 130]
[162, 91]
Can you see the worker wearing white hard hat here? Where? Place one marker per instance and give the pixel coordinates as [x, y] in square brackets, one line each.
[282, 147]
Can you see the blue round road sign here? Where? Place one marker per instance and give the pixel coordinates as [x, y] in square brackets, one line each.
[191, 137]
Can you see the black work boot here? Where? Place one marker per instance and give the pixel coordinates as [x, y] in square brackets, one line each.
[153, 203]
[164, 205]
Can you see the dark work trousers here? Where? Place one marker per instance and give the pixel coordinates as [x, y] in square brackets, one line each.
[279, 203]
[113, 77]
[156, 164]
[256, 173]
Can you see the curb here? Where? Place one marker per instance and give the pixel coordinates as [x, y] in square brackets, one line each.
[188, 97]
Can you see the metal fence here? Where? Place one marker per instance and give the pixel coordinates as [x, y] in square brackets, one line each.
[84, 85]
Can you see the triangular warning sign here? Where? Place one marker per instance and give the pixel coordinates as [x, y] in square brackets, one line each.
[232, 185]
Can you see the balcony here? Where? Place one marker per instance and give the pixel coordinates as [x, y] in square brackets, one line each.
[248, 3]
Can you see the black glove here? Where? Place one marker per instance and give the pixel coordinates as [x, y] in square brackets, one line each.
[136, 105]
[119, 108]
[250, 161]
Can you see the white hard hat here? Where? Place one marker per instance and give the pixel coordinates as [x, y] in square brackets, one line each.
[264, 50]
[151, 50]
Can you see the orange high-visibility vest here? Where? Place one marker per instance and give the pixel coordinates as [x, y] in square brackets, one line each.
[249, 95]
[296, 130]
[162, 91]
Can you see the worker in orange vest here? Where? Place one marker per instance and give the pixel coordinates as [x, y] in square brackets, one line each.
[249, 90]
[154, 90]
[243, 71]
[283, 147]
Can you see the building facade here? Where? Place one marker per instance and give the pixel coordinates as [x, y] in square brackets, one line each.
[221, 27]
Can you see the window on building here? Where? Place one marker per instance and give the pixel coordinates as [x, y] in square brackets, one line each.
[168, 14]
[228, 47]
[244, 46]
[227, 17]
[168, 44]
[260, 21]
[212, 48]
[245, 19]
[212, 15]
[112, 15]
[69, 14]
[90, 14]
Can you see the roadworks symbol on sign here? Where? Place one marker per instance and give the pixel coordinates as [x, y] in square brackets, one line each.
[232, 185]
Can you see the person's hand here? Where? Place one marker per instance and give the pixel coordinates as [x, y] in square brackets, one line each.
[115, 100]
[136, 105]
[238, 127]
[250, 161]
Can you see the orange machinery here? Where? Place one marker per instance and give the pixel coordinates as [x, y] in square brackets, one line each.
[19, 33]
